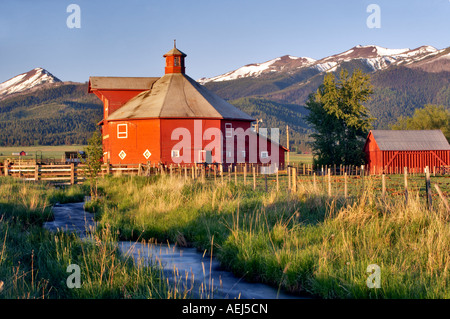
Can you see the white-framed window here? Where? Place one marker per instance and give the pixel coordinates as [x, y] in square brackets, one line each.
[122, 131]
[228, 130]
[264, 154]
[175, 153]
[241, 157]
[228, 153]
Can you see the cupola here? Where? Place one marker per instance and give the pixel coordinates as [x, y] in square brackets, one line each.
[174, 60]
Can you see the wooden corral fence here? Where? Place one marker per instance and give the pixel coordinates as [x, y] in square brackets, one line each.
[74, 173]
[62, 174]
[69, 174]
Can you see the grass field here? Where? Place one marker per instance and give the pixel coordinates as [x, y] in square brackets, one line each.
[305, 242]
[300, 158]
[47, 152]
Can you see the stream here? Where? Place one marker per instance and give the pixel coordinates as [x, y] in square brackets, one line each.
[186, 268]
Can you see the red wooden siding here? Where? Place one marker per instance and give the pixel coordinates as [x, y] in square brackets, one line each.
[134, 137]
[114, 99]
[392, 161]
[141, 135]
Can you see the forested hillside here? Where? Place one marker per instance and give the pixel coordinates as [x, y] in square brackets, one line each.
[64, 114]
[67, 114]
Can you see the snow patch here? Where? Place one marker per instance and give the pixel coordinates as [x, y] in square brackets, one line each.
[26, 81]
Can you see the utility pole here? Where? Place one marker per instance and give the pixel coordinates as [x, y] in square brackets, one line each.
[287, 146]
[257, 125]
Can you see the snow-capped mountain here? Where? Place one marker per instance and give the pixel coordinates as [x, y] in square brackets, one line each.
[286, 62]
[376, 58]
[26, 81]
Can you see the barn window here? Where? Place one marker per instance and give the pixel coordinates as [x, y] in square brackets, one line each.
[122, 131]
[228, 130]
[177, 61]
[205, 156]
[175, 153]
[264, 154]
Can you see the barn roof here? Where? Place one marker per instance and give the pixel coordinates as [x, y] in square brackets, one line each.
[176, 95]
[410, 140]
[120, 83]
[174, 51]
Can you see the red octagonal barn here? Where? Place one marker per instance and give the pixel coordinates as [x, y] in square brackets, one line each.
[174, 119]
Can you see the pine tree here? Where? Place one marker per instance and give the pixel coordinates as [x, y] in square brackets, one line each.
[93, 161]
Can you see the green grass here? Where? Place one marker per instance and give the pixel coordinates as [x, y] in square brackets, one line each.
[33, 261]
[295, 158]
[47, 152]
[303, 242]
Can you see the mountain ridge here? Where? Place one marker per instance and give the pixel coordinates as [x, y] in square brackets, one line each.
[26, 81]
[376, 57]
[55, 112]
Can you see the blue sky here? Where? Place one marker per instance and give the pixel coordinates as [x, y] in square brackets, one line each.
[128, 38]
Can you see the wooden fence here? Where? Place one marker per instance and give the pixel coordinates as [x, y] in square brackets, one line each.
[76, 173]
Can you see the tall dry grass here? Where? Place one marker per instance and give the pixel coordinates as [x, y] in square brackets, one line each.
[305, 242]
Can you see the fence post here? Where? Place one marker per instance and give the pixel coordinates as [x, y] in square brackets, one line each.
[428, 188]
[289, 177]
[405, 173]
[254, 177]
[383, 186]
[444, 200]
[203, 174]
[72, 173]
[314, 181]
[294, 179]
[235, 174]
[36, 172]
[245, 174]
[5, 167]
[329, 182]
[345, 185]
[139, 169]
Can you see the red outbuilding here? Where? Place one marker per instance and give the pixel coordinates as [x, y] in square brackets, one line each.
[175, 120]
[389, 151]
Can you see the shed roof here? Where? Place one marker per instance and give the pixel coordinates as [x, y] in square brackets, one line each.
[410, 140]
[120, 83]
[176, 95]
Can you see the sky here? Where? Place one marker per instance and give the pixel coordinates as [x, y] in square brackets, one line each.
[129, 38]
